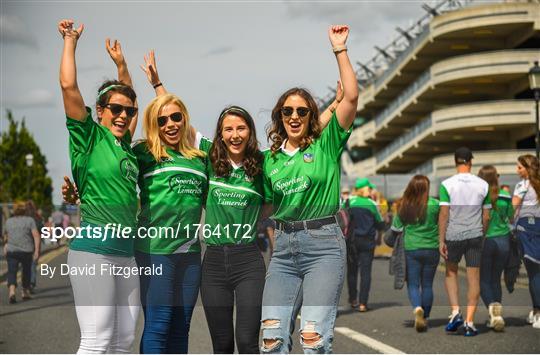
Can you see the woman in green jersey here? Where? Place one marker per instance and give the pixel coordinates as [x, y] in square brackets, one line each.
[496, 249]
[302, 178]
[417, 219]
[105, 170]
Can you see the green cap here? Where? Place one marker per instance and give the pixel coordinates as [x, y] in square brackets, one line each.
[363, 182]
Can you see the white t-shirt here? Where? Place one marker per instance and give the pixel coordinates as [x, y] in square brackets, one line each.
[466, 194]
[529, 200]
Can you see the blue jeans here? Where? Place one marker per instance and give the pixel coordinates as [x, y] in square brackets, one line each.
[307, 268]
[421, 268]
[168, 301]
[528, 232]
[494, 258]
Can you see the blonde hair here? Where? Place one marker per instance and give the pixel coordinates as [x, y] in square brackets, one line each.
[151, 129]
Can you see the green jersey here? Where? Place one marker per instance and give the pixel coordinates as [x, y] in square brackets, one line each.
[233, 205]
[499, 217]
[421, 235]
[304, 184]
[105, 171]
[172, 194]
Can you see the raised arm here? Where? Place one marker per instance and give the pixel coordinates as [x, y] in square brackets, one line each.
[73, 102]
[325, 117]
[346, 110]
[150, 69]
[115, 51]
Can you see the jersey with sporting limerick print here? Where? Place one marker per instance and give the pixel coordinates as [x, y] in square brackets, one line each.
[233, 205]
[304, 184]
[500, 216]
[423, 234]
[105, 171]
[172, 195]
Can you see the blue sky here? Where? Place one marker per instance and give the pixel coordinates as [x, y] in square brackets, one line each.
[210, 53]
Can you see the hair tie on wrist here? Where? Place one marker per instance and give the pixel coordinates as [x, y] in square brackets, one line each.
[157, 85]
[338, 49]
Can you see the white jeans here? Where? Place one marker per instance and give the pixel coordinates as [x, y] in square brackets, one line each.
[107, 306]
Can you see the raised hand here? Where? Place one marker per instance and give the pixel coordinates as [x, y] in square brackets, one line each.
[339, 91]
[338, 34]
[65, 27]
[115, 51]
[150, 69]
[70, 194]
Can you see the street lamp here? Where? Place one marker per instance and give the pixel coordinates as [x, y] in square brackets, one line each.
[29, 163]
[534, 82]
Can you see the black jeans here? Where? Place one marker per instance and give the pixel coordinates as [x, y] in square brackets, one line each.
[13, 260]
[360, 251]
[229, 273]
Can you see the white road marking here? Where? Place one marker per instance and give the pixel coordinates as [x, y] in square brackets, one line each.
[370, 342]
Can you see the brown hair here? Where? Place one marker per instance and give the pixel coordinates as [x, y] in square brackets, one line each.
[413, 206]
[531, 164]
[219, 156]
[490, 175]
[19, 208]
[276, 130]
[119, 88]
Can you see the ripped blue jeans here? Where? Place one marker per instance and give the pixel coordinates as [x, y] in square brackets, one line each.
[307, 271]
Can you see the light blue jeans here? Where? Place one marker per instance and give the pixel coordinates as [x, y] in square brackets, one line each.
[307, 269]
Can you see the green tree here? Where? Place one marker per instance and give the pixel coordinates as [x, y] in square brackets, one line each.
[15, 176]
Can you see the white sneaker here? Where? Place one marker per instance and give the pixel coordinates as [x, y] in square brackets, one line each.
[496, 320]
[530, 317]
[419, 320]
[536, 323]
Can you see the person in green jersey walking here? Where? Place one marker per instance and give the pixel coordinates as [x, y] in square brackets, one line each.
[105, 170]
[417, 219]
[302, 181]
[496, 249]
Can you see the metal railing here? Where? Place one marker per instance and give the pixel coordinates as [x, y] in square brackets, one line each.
[403, 139]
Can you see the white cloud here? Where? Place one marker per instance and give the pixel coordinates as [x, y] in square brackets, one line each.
[13, 30]
[32, 99]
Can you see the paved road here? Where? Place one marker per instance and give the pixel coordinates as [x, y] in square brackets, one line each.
[47, 324]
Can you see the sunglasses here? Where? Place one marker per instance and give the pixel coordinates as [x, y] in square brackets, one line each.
[302, 112]
[175, 117]
[117, 109]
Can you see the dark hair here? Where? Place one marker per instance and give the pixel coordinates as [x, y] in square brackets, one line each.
[532, 165]
[276, 130]
[126, 90]
[219, 156]
[413, 205]
[489, 174]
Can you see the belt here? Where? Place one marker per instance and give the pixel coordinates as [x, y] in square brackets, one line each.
[289, 227]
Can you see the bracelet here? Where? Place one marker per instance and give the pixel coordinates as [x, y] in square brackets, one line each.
[157, 85]
[338, 49]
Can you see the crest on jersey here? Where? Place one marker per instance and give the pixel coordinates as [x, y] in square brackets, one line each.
[308, 158]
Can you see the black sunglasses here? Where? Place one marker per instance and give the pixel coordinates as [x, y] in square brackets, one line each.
[302, 112]
[175, 117]
[117, 109]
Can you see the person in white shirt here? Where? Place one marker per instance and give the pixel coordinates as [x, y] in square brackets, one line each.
[463, 220]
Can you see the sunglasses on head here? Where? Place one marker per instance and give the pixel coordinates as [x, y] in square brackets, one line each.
[302, 112]
[117, 109]
[175, 117]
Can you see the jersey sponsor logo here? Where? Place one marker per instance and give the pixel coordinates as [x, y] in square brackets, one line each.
[184, 185]
[308, 158]
[167, 159]
[129, 170]
[288, 186]
[287, 163]
[234, 199]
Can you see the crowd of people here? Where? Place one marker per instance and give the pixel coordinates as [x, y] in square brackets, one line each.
[178, 172]
[474, 217]
[169, 177]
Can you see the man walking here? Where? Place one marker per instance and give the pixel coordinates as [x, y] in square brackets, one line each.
[463, 220]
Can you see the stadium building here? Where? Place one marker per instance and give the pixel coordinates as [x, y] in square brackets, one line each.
[457, 77]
